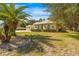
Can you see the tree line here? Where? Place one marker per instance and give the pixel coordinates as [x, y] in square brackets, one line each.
[66, 14]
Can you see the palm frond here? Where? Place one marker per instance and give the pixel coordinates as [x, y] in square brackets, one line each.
[12, 9]
[20, 9]
[3, 7]
[23, 15]
[5, 15]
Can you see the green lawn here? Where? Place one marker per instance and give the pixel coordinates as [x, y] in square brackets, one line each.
[60, 43]
[44, 43]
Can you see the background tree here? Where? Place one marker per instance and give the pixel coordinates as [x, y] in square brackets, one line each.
[65, 13]
[40, 20]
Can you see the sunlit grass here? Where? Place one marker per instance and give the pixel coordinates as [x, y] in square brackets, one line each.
[68, 41]
[63, 43]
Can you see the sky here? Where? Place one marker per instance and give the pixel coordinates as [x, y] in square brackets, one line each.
[36, 10]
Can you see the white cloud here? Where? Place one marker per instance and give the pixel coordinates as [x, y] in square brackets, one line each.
[36, 12]
[38, 17]
[39, 12]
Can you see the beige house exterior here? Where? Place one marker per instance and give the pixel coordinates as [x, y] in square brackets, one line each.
[44, 26]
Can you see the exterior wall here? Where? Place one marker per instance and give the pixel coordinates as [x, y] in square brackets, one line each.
[44, 27]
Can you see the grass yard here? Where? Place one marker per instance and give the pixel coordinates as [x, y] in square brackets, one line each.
[61, 43]
[47, 44]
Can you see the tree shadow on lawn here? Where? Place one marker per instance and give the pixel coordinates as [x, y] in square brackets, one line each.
[29, 43]
[34, 42]
[74, 35]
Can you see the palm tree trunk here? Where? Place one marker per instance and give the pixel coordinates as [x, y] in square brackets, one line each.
[15, 24]
[7, 35]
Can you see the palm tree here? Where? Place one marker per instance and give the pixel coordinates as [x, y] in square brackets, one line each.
[11, 17]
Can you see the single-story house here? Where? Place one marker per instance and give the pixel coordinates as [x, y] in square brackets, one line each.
[46, 26]
[42, 26]
[21, 28]
[28, 28]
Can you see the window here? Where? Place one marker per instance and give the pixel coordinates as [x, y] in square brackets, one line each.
[36, 27]
[51, 27]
